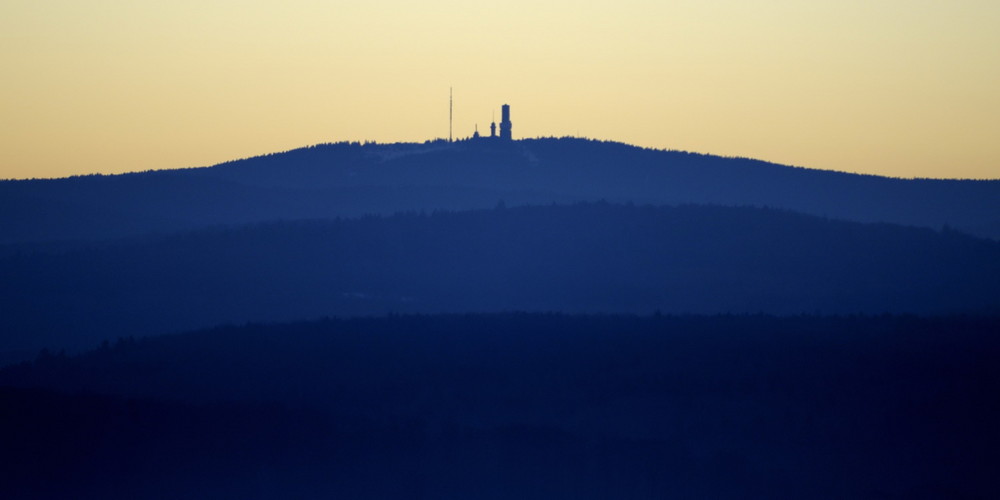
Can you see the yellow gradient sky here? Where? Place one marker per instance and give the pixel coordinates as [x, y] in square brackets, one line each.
[889, 87]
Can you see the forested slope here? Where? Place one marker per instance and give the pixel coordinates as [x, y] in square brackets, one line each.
[585, 258]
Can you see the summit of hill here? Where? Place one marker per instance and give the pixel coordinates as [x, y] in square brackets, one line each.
[353, 179]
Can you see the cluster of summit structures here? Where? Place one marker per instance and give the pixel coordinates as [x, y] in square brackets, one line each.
[505, 126]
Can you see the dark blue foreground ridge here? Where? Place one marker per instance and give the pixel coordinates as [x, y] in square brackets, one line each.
[516, 406]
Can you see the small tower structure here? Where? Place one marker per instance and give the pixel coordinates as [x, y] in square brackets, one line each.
[505, 124]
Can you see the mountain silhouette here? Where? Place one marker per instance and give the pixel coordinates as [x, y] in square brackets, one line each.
[351, 179]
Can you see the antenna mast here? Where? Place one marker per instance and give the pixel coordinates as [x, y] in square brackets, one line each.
[451, 107]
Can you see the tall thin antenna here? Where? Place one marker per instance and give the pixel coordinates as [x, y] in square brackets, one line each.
[451, 108]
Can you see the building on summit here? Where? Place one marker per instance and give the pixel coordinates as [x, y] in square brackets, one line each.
[505, 126]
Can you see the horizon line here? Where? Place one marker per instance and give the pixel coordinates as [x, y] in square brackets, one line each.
[459, 141]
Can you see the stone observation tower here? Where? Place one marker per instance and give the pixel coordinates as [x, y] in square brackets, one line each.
[505, 124]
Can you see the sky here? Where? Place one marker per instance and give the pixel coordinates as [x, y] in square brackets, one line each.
[887, 87]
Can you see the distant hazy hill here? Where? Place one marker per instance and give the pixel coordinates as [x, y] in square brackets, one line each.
[352, 179]
[582, 258]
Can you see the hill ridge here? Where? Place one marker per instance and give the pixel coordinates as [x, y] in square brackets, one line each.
[585, 257]
[349, 179]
